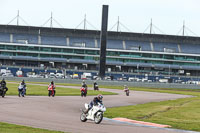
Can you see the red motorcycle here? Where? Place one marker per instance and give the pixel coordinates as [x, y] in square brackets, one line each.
[83, 91]
[52, 91]
[127, 92]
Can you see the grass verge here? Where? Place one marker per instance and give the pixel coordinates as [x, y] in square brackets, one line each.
[180, 114]
[37, 90]
[12, 128]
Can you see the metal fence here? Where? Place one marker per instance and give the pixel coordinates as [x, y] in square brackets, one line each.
[111, 83]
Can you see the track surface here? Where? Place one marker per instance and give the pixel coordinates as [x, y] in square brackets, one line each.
[62, 113]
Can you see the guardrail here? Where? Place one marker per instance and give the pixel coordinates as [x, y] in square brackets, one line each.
[107, 82]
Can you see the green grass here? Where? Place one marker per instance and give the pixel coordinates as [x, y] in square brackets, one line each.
[64, 84]
[12, 128]
[37, 90]
[180, 114]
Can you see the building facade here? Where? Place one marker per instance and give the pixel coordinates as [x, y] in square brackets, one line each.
[79, 49]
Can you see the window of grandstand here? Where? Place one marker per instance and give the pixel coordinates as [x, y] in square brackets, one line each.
[78, 44]
[78, 51]
[91, 52]
[23, 41]
[135, 48]
[45, 49]
[169, 50]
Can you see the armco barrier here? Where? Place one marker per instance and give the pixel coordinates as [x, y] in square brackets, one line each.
[105, 82]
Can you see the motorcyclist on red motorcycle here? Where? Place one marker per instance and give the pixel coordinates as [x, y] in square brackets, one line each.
[126, 89]
[95, 101]
[52, 89]
[84, 85]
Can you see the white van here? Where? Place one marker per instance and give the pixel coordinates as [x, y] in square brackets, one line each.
[86, 76]
[19, 73]
[163, 80]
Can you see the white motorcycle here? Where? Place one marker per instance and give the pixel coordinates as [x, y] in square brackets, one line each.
[95, 113]
[21, 90]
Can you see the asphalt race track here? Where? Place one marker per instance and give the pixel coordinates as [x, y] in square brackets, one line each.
[62, 113]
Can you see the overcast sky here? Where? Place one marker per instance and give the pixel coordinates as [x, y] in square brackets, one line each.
[167, 15]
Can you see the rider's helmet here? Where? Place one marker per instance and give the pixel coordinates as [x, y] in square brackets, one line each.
[3, 79]
[100, 97]
[22, 82]
[125, 86]
[83, 82]
[52, 82]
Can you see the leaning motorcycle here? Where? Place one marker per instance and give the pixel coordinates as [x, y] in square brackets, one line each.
[95, 113]
[2, 92]
[83, 92]
[127, 92]
[96, 87]
[51, 91]
[21, 90]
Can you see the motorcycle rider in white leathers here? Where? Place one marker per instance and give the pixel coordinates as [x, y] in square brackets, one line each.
[95, 101]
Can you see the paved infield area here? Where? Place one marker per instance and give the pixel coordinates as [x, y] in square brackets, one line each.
[62, 113]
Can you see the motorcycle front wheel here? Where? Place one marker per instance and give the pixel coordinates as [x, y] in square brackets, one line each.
[3, 94]
[49, 94]
[127, 93]
[98, 118]
[83, 117]
[82, 94]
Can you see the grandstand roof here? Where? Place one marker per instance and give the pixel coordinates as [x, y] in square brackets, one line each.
[96, 34]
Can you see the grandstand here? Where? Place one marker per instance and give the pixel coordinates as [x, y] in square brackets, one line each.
[79, 49]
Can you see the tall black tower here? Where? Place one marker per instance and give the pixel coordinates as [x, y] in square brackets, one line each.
[103, 40]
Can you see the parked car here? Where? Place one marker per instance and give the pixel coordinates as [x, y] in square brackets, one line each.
[131, 79]
[75, 76]
[163, 80]
[52, 75]
[96, 78]
[60, 75]
[30, 74]
[7, 75]
[124, 78]
[107, 78]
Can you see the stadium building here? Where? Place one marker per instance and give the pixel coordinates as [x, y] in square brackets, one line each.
[79, 49]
